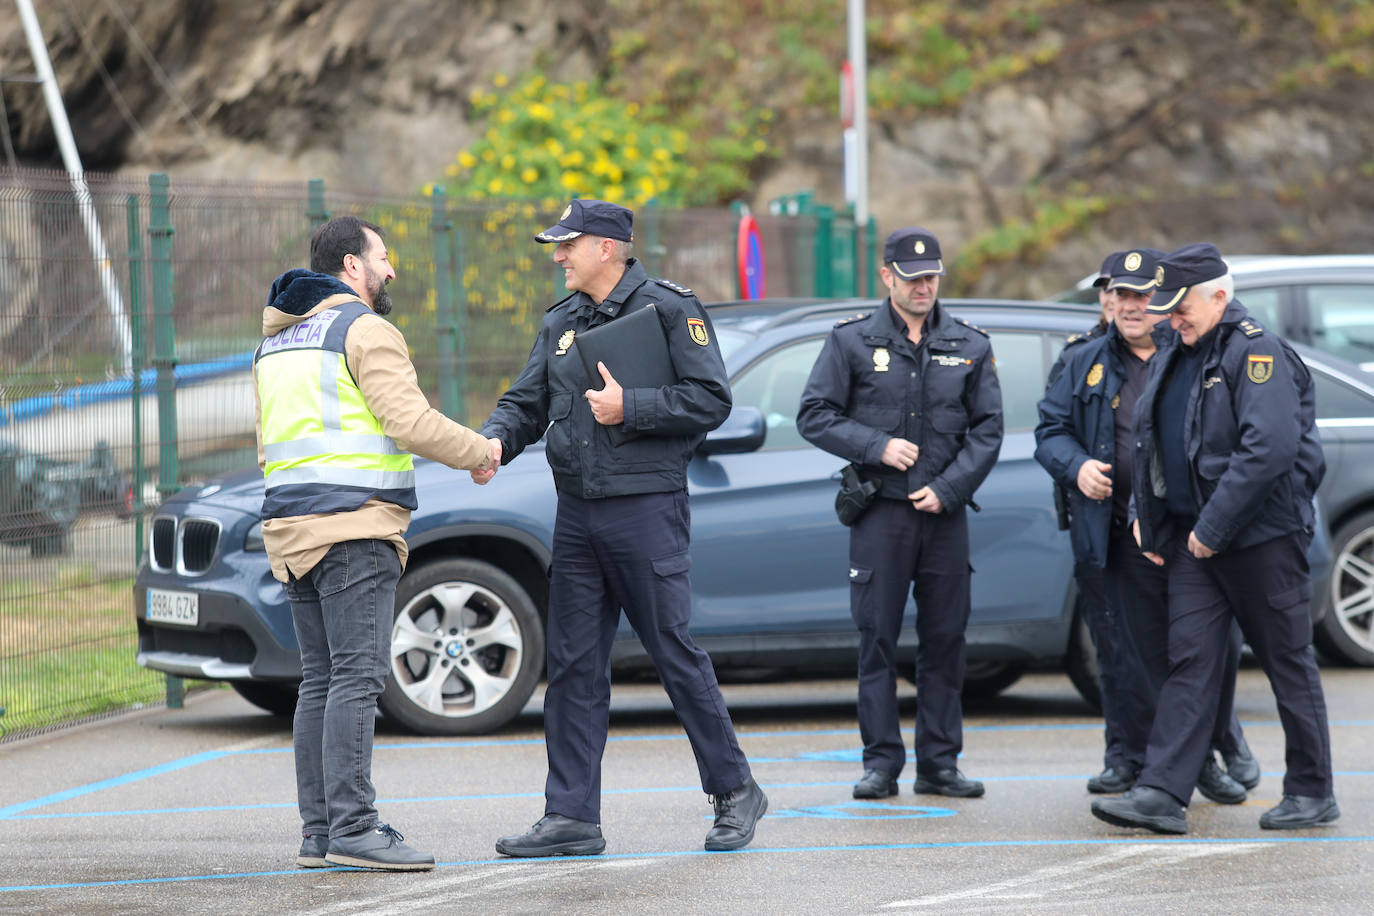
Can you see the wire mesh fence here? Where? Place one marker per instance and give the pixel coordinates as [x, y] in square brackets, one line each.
[131, 309]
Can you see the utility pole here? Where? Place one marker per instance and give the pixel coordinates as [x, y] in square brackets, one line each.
[109, 284]
[858, 63]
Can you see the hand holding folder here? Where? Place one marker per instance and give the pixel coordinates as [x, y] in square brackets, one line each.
[634, 351]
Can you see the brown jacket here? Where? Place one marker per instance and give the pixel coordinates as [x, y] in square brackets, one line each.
[380, 362]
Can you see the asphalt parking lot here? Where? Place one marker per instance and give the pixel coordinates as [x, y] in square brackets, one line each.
[192, 811]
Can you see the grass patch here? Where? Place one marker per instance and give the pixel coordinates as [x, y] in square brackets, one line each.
[67, 651]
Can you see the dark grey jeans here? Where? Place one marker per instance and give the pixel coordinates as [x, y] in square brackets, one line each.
[342, 610]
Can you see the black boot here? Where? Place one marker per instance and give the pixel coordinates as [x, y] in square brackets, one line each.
[736, 814]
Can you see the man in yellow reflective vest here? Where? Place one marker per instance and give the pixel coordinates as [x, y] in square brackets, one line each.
[339, 413]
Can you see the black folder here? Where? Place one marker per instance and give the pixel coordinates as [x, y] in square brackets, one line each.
[634, 349]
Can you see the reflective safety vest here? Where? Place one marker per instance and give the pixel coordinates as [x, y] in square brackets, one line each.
[324, 450]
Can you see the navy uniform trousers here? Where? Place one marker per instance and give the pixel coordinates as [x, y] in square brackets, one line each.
[1123, 700]
[1267, 589]
[893, 547]
[1138, 599]
[626, 552]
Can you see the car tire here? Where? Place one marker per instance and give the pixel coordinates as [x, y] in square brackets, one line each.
[1345, 633]
[467, 649]
[984, 680]
[278, 699]
[1081, 663]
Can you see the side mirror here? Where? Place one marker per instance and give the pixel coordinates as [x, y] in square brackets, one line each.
[742, 431]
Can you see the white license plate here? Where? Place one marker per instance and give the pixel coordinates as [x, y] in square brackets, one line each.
[180, 608]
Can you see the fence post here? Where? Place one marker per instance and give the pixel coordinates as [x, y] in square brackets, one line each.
[460, 320]
[440, 228]
[137, 362]
[164, 359]
[164, 333]
[314, 203]
[824, 242]
[870, 267]
[648, 248]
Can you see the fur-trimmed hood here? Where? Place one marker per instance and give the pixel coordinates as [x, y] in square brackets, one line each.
[300, 293]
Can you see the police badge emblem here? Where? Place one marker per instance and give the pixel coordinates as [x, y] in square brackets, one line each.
[1259, 369]
[1116, 401]
[564, 341]
[920, 246]
[1095, 375]
[567, 211]
[1132, 261]
[881, 358]
[697, 328]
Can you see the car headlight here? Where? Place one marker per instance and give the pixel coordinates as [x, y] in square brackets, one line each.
[253, 539]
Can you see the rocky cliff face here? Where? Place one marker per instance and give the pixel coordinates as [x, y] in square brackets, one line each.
[358, 92]
[1143, 123]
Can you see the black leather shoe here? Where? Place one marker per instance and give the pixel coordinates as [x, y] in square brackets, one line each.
[1112, 781]
[1242, 766]
[1298, 811]
[555, 835]
[1143, 806]
[875, 784]
[313, 850]
[381, 848]
[1213, 783]
[737, 813]
[947, 782]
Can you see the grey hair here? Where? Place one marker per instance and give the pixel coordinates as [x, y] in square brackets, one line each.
[623, 251]
[1226, 283]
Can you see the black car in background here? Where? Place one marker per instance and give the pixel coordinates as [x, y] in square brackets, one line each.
[41, 497]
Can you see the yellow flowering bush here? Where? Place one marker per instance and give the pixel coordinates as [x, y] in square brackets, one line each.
[559, 140]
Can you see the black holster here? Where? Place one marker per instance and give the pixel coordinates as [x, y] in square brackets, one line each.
[856, 495]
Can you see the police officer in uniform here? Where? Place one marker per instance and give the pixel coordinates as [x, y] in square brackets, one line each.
[1084, 442]
[622, 529]
[1091, 585]
[909, 394]
[1226, 463]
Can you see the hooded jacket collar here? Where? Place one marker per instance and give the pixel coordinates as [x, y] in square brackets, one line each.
[300, 293]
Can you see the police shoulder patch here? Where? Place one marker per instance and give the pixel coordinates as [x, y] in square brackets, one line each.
[971, 326]
[675, 287]
[1250, 328]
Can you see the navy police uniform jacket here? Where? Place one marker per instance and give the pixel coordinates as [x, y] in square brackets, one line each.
[1250, 438]
[662, 426]
[1078, 422]
[870, 384]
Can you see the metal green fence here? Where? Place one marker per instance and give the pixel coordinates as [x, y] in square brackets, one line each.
[125, 374]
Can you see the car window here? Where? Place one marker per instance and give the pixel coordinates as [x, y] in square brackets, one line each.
[1021, 371]
[1264, 305]
[1343, 321]
[1338, 401]
[774, 385]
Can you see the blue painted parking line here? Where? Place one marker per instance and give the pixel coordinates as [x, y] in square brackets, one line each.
[183, 763]
[503, 796]
[313, 873]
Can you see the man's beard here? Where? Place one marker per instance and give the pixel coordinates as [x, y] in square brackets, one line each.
[376, 287]
[381, 302]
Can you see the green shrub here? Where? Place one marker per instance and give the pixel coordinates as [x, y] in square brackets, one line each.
[552, 141]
